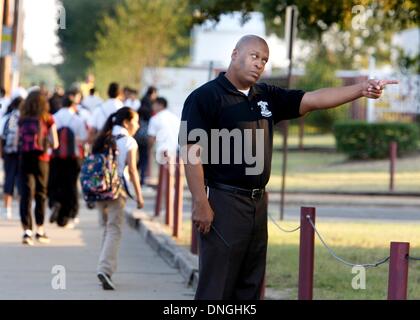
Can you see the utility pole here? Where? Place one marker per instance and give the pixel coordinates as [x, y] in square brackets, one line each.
[6, 46]
[17, 43]
[1, 20]
[291, 30]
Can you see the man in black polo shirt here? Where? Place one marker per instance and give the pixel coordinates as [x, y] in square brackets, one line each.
[226, 141]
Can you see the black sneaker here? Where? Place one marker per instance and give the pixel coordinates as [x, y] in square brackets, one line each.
[42, 238]
[106, 281]
[27, 239]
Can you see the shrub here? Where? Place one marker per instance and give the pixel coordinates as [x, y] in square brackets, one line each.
[361, 140]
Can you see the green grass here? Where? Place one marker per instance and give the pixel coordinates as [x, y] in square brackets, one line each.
[365, 242]
[316, 140]
[355, 242]
[333, 172]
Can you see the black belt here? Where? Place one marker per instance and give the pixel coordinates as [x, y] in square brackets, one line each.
[254, 194]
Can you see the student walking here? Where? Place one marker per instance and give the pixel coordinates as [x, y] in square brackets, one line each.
[37, 131]
[66, 161]
[10, 152]
[117, 135]
[143, 143]
[101, 113]
[92, 101]
[163, 130]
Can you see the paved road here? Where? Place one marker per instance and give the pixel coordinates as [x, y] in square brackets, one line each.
[354, 211]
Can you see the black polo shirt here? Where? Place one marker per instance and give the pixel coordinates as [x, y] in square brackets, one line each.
[219, 105]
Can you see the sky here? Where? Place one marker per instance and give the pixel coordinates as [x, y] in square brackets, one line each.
[40, 23]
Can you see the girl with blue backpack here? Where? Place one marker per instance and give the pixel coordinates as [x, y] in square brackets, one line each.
[114, 150]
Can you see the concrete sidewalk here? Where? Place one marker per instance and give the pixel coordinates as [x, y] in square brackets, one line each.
[26, 272]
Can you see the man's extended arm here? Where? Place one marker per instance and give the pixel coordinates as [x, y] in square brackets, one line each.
[332, 97]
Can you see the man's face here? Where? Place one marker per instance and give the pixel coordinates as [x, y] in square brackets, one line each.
[250, 60]
[153, 96]
[156, 107]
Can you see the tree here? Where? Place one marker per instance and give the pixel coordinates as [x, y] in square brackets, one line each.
[78, 38]
[32, 74]
[351, 30]
[320, 72]
[315, 16]
[142, 33]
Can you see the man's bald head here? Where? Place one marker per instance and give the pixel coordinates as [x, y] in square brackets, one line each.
[248, 40]
[248, 61]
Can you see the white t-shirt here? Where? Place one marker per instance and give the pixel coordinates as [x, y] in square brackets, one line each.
[165, 127]
[3, 120]
[124, 145]
[4, 104]
[66, 117]
[101, 113]
[85, 114]
[133, 104]
[245, 92]
[91, 102]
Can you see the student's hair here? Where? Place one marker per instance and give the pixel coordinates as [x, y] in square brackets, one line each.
[151, 90]
[145, 113]
[14, 105]
[69, 97]
[103, 141]
[35, 105]
[113, 90]
[134, 91]
[162, 101]
[92, 91]
[2, 92]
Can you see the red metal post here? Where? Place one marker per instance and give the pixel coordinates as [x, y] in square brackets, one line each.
[306, 253]
[178, 203]
[398, 271]
[393, 159]
[159, 191]
[169, 193]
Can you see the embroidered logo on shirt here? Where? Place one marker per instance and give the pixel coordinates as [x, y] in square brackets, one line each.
[264, 111]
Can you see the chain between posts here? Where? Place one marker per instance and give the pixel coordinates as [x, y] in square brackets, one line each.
[331, 251]
[282, 229]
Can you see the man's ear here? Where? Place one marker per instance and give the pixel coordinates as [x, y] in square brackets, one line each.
[234, 54]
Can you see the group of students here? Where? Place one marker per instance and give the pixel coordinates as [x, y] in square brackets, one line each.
[43, 155]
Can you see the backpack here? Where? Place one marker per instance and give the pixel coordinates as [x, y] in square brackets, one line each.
[11, 133]
[33, 135]
[67, 147]
[99, 175]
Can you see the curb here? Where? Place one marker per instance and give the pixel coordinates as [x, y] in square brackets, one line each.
[176, 257]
